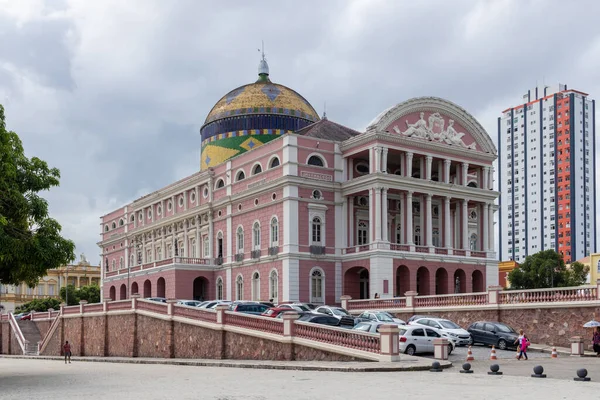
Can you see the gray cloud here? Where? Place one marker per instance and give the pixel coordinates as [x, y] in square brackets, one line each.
[114, 93]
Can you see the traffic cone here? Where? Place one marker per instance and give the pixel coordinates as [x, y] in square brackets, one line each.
[470, 355]
[493, 354]
[554, 353]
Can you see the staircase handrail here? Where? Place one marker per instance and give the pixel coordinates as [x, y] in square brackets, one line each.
[44, 342]
[17, 330]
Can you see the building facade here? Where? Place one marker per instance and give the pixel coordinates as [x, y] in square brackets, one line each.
[547, 175]
[78, 275]
[292, 207]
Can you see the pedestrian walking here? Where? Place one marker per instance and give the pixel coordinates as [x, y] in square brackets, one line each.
[596, 341]
[523, 347]
[518, 342]
[67, 351]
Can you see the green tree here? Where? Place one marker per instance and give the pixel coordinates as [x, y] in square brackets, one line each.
[39, 305]
[547, 269]
[73, 295]
[90, 293]
[30, 241]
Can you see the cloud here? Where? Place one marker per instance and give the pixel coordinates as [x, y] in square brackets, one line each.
[114, 93]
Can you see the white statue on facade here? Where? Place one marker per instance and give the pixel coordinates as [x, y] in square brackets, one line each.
[435, 131]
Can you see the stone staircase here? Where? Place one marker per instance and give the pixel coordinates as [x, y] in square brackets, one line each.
[31, 334]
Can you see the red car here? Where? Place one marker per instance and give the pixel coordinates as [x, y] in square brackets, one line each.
[26, 317]
[273, 312]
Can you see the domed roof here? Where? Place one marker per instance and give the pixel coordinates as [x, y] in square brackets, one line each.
[262, 97]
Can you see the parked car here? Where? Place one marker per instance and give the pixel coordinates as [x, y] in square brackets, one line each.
[191, 303]
[159, 299]
[370, 326]
[414, 317]
[249, 308]
[275, 312]
[380, 316]
[338, 312]
[214, 303]
[26, 317]
[460, 336]
[493, 333]
[416, 339]
[299, 307]
[322, 319]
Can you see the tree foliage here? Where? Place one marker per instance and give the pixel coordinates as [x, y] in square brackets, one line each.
[90, 293]
[547, 269]
[30, 241]
[39, 305]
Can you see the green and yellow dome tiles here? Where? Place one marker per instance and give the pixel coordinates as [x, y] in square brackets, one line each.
[250, 116]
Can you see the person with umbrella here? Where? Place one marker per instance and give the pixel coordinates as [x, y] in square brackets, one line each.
[596, 337]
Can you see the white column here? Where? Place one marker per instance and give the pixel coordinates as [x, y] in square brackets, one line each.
[447, 225]
[186, 246]
[447, 171]
[491, 179]
[465, 224]
[409, 160]
[127, 254]
[372, 165]
[428, 161]
[211, 234]
[485, 228]
[491, 244]
[377, 213]
[400, 221]
[409, 218]
[384, 160]
[163, 244]
[153, 247]
[351, 226]
[371, 219]
[485, 175]
[428, 221]
[198, 237]
[350, 168]
[465, 170]
[173, 238]
[384, 215]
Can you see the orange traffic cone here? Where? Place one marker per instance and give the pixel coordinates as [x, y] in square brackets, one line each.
[554, 353]
[470, 355]
[493, 354]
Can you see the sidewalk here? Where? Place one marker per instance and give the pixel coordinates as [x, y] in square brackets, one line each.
[542, 348]
[407, 363]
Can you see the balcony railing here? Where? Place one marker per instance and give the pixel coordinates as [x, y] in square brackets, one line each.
[255, 254]
[239, 257]
[317, 250]
[273, 251]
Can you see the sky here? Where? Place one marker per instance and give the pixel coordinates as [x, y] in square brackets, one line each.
[113, 93]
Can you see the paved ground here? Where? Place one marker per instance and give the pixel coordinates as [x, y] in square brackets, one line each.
[483, 353]
[48, 379]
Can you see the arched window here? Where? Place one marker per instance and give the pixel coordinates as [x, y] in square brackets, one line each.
[317, 285]
[121, 222]
[131, 260]
[192, 248]
[316, 230]
[417, 236]
[206, 247]
[132, 218]
[240, 239]
[240, 176]
[149, 255]
[158, 253]
[363, 231]
[219, 288]
[121, 263]
[220, 184]
[114, 225]
[274, 232]
[239, 288]
[257, 169]
[114, 265]
[180, 249]
[256, 236]
[473, 242]
[273, 287]
[398, 234]
[274, 163]
[169, 251]
[316, 161]
[256, 286]
[105, 228]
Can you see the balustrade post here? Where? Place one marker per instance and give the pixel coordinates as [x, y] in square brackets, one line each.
[576, 346]
[389, 342]
[134, 300]
[105, 302]
[50, 310]
[170, 304]
[289, 327]
[344, 299]
[62, 308]
[494, 294]
[440, 348]
[82, 303]
[221, 313]
[598, 289]
[410, 298]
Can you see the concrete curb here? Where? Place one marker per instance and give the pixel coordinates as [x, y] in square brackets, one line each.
[273, 365]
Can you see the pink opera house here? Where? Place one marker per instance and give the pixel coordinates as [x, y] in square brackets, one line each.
[292, 207]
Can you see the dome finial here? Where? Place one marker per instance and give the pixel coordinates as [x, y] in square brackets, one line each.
[263, 67]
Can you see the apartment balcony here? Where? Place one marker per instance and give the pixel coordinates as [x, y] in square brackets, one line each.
[202, 263]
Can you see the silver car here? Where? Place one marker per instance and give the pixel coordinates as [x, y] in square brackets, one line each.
[415, 339]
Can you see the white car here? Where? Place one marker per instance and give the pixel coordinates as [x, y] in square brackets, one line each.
[380, 316]
[461, 336]
[191, 303]
[415, 339]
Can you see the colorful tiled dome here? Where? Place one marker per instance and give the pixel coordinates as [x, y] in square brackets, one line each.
[250, 116]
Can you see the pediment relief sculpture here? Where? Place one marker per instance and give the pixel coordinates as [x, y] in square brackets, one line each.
[435, 129]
